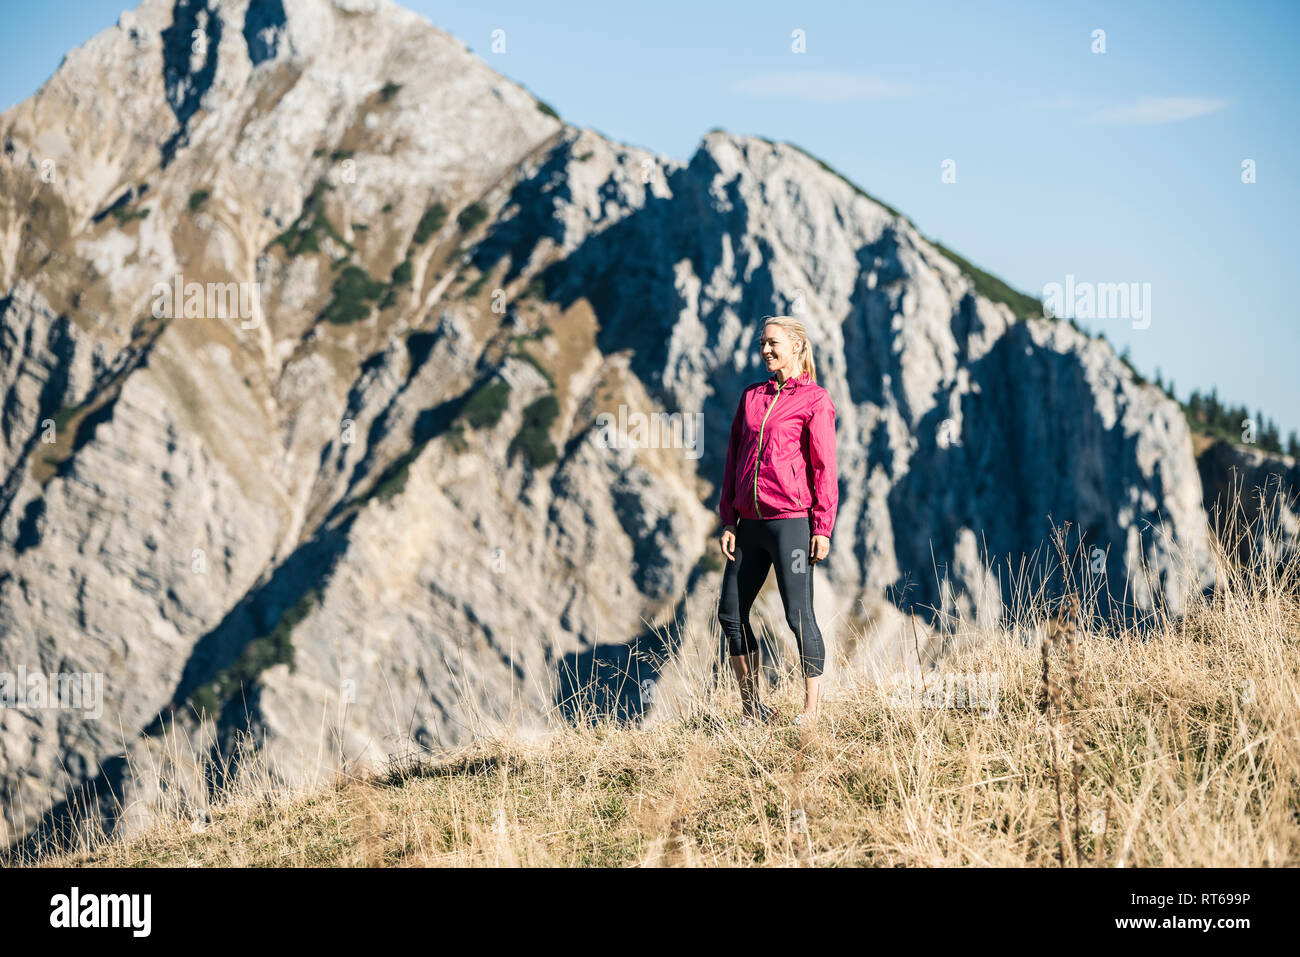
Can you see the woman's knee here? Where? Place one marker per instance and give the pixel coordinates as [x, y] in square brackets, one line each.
[740, 640]
[812, 652]
[802, 624]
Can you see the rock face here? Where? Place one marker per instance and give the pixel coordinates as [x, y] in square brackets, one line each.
[1252, 498]
[361, 501]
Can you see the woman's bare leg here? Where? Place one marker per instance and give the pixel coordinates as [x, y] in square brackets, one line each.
[812, 694]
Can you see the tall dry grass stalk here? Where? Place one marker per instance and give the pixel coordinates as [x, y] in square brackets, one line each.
[1183, 737]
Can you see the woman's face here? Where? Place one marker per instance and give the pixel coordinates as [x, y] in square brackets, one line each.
[778, 349]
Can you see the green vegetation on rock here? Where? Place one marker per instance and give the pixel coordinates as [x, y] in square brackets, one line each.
[993, 288]
[471, 216]
[305, 234]
[486, 406]
[533, 440]
[429, 223]
[258, 655]
[353, 290]
[124, 215]
[456, 437]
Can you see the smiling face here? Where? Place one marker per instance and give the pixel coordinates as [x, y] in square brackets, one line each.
[779, 351]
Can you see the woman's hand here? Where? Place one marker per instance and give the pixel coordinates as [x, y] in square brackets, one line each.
[820, 548]
[729, 543]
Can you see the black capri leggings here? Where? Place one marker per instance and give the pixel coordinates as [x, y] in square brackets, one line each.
[760, 544]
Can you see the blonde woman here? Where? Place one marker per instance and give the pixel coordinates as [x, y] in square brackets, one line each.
[780, 492]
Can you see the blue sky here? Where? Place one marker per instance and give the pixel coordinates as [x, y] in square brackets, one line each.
[1122, 166]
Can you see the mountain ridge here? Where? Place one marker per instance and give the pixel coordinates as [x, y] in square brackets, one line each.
[384, 489]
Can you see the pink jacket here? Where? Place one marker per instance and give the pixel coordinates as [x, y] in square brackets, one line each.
[790, 433]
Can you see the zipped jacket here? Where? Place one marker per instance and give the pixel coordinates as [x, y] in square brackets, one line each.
[781, 457]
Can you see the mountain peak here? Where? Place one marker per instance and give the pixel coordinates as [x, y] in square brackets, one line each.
[322, 314]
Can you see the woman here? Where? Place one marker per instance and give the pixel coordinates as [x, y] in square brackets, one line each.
[779, 496]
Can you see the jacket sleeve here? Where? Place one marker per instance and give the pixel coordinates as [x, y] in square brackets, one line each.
[821, 452]
[726, 509]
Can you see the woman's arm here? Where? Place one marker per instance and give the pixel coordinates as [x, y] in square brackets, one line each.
[821, 450]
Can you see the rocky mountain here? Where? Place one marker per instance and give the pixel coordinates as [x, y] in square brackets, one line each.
[313, 326]
[1252, 498]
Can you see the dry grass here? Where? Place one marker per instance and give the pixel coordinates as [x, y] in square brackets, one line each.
[1175, 747]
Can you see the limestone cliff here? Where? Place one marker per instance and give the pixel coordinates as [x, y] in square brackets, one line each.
[369, 502]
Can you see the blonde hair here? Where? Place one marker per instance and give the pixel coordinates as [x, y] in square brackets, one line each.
[803, 348]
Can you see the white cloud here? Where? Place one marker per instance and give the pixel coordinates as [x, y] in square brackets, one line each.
[1160, 109]
[820, 86]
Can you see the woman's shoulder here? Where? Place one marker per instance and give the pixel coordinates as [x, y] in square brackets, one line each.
[818, 394]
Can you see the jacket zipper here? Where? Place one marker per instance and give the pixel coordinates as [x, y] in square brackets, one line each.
[759, 460]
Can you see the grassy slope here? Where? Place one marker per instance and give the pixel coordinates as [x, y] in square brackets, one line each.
[1189, 747]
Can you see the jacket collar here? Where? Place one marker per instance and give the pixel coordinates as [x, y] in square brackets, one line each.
[791, 383]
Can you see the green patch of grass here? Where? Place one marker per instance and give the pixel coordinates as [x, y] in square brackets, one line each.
[386, 208]
[533, 439]
[545, 107]
[400, 277]
[541, 332]
[64, 415]
[393, 479]
[341, 155]
[471, 216]
[304, 236]
[197, 199]
[429, 223]
[535, 290]
[258, 655]
[124, 215]
[993, 288]
[353, 290]
[486, 406]
[360, 227]
[586, 156]
[456, 438]
[389, 91]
